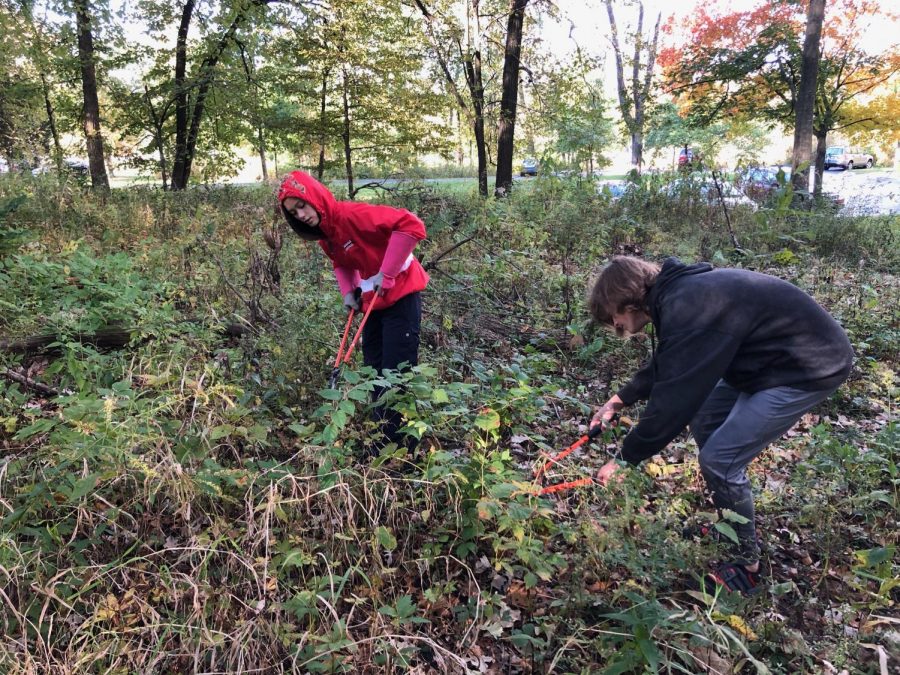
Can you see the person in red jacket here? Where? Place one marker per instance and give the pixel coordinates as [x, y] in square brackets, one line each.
[371, 249]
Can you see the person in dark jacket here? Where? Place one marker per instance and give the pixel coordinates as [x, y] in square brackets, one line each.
[741, 356]
[370, 247]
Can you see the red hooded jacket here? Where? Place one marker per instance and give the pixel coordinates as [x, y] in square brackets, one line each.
[356, 235]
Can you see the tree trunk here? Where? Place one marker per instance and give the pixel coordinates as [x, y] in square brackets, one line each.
[510, 98]
[632, 103]
[471, 59]
[92, 135]
[158, 136]
[806, 97]
[460, 143]
[187, 122]
[323, 135]
[821, 144]
[181, 95]
[262, 153]
[345, 135]
[476, 88]
[51, 120]
[637, 148]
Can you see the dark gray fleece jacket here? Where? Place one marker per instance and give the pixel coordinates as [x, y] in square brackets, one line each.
[752, 330]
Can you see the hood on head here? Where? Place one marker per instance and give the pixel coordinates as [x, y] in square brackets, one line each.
[672, 269]
[301, 185]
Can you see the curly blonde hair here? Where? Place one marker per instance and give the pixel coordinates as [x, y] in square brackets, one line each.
[623, 282]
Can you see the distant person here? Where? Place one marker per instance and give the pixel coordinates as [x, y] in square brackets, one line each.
[741, 356]
[371, 249]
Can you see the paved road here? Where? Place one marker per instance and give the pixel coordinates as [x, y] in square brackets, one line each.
[864, 192]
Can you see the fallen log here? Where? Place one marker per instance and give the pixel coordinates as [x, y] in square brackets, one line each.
[113, 337]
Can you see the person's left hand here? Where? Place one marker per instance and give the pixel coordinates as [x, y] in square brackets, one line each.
[381, 283]
[609, 471]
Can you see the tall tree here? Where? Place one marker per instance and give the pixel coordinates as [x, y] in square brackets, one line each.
[20, 90]
[191, 94]
[510, 97]
[450, 47]
[569, 110]
[633, 101]
[806, 96]
[748, 64]
[877, 122]
[92, 132]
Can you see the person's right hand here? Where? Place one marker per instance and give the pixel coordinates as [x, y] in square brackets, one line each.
[351, 300]
[606, 412]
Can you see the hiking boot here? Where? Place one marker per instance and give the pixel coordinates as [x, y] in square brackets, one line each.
[734, 577]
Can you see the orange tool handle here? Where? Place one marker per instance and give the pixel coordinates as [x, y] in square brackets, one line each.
[590, 435]
[560, 455]
[359, 331]
[581, 482]
[337, 361]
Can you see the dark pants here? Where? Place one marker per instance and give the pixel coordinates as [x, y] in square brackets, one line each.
[731, 429]
[391, 337]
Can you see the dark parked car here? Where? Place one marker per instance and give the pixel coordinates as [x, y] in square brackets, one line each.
[79, 167]
[529, 167]
[759, 182]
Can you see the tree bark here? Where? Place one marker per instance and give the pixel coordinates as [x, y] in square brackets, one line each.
[181, 93]
[262, 153]
[323, 135]
[821, 144]
[158, 136]
[510, 98]
[51, 120]
[345, 135]
[476, 88]
[92, 135]
[806, 97]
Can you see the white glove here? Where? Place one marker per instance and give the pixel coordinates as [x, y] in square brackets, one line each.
[377, 283]
[351, 300]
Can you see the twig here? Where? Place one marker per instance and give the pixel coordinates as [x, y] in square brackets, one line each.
[431, 263]
[31, 384]
[734, 240]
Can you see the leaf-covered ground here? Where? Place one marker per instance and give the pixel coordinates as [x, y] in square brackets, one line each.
[194, 500]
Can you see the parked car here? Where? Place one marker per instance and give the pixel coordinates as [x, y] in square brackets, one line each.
[842, 157]
[615, 189]
[687, 157]
[705, 190]
[79, 167]
[529, 167]
[759, 182]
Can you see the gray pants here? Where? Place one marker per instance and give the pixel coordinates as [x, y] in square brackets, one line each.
[731, 429]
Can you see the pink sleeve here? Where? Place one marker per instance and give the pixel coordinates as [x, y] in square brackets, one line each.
[347, 279]
[410, 225]
[399, 247]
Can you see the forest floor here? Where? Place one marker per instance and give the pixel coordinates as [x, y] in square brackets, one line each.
[191, 497]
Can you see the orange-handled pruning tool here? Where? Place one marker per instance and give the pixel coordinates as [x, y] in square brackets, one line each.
[335, 371]
[359, 331]
[539, 470]
[341, 356]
